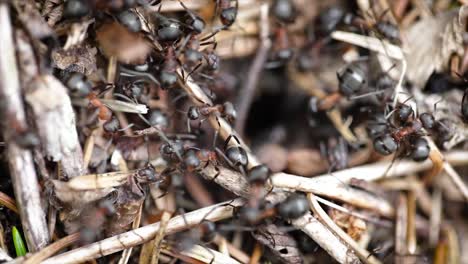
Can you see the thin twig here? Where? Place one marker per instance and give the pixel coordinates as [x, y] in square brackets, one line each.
[248, 90]
[159, 237]
[20, 160]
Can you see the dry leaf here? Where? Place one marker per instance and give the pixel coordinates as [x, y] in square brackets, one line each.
[126, 46]
[80, 58]
[431, 42]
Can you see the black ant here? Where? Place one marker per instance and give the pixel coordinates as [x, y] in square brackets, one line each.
[130, 20]
[295, 206]
[384, 28]
[228, 13]
[282, 51]
[284, 11]
[351, 80]
[225, 110]
[235, 156]
[168, 75]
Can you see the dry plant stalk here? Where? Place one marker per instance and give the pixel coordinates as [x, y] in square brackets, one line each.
[363, 254]
[20, 160]
[143, 234]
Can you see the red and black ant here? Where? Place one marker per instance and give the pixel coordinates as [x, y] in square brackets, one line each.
[225, 110]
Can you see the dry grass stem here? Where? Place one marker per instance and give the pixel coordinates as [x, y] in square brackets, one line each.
[362, 253]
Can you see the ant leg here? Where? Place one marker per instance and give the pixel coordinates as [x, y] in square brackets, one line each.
[192, 71]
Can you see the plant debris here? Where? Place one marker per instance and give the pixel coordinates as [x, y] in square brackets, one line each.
[233, 131]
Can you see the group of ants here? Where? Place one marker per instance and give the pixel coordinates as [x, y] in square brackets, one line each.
[392, 130]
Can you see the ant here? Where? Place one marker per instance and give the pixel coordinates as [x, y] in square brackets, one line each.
[225, 110]
[228, 13]
[284, 11]
[390, 140]
[235, 156]
[168, 74]
[282, 52]
[78, 84]
[384, 28]
[351, 80]
[295, 206]
[130, 20]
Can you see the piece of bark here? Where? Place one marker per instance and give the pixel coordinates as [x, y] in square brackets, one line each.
[20, 160]
[431, 42]
[283, 245]
[55, 121]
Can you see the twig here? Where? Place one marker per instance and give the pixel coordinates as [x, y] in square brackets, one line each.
[20, 160]
[8, 202]
[248, 90]
[52, 249]
[159, 237]
[143, 234]
[325, 238]
[208, 255]
[362, 253]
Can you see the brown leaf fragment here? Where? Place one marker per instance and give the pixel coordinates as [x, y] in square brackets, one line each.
[129, 199]
[117, 41]
[282, 245]
[432, 41]
[81, 58]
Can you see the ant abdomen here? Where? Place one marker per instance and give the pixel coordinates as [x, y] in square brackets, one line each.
[295, 206]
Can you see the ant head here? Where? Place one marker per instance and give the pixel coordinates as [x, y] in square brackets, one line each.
[421, 149]
[78, 84]
[168, 151]
[193, 57]
[295, 206]
[249, 214]
[385, 144]
[258, 174]
[330, 19]
[228, 16]
[193, 113]
[284, 11]
[196, 24]
[427, 120]
[158, 119]
[75, 9]
[112, 125]
[237, 155]
[191, 161]
[405, 112]
[130, 20]
[168, 79]
[148, 174]
[351, 79]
